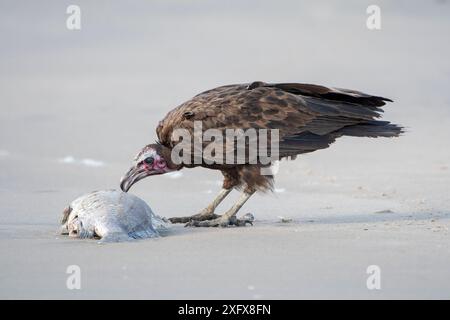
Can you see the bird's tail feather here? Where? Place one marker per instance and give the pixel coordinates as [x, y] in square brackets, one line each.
[372, 129]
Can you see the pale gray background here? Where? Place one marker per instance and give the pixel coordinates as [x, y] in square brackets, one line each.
[99, 93]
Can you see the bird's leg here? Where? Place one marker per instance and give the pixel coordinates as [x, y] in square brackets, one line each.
[207, 213]
[229, 217]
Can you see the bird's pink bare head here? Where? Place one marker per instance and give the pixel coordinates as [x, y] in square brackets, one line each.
[151, 160]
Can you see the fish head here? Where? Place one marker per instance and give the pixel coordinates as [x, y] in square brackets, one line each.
[76, 227]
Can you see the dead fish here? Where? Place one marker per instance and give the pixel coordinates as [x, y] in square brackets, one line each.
[111, 216]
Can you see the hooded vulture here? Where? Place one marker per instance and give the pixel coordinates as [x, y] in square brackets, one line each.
[306, 118]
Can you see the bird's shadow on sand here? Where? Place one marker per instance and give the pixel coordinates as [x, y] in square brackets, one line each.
[369, 218]
[382, 217]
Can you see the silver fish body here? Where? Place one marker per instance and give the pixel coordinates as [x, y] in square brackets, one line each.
[111, 216]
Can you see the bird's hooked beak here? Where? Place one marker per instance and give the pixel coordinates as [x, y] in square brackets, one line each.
[133, 175]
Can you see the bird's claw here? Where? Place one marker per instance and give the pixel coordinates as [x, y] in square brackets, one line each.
[223, 222]
[180, 219]
[197, 217]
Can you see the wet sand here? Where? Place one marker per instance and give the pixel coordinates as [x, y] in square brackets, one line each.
[77, 106]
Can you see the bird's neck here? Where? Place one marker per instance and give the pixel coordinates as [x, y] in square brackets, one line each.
[167, 155]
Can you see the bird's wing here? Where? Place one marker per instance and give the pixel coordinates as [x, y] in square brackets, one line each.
[336, 112]
[305, 114]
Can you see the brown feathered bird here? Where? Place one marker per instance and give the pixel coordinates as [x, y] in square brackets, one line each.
[308, 118]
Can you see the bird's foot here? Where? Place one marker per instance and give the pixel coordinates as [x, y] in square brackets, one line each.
[223, 221]
[202, 216]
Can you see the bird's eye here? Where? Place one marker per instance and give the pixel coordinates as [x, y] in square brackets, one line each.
[148, 160]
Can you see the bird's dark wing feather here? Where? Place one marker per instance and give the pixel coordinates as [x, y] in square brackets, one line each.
[335, 94]
[309, 117]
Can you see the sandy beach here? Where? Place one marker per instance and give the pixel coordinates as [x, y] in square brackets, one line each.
[77, 105]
